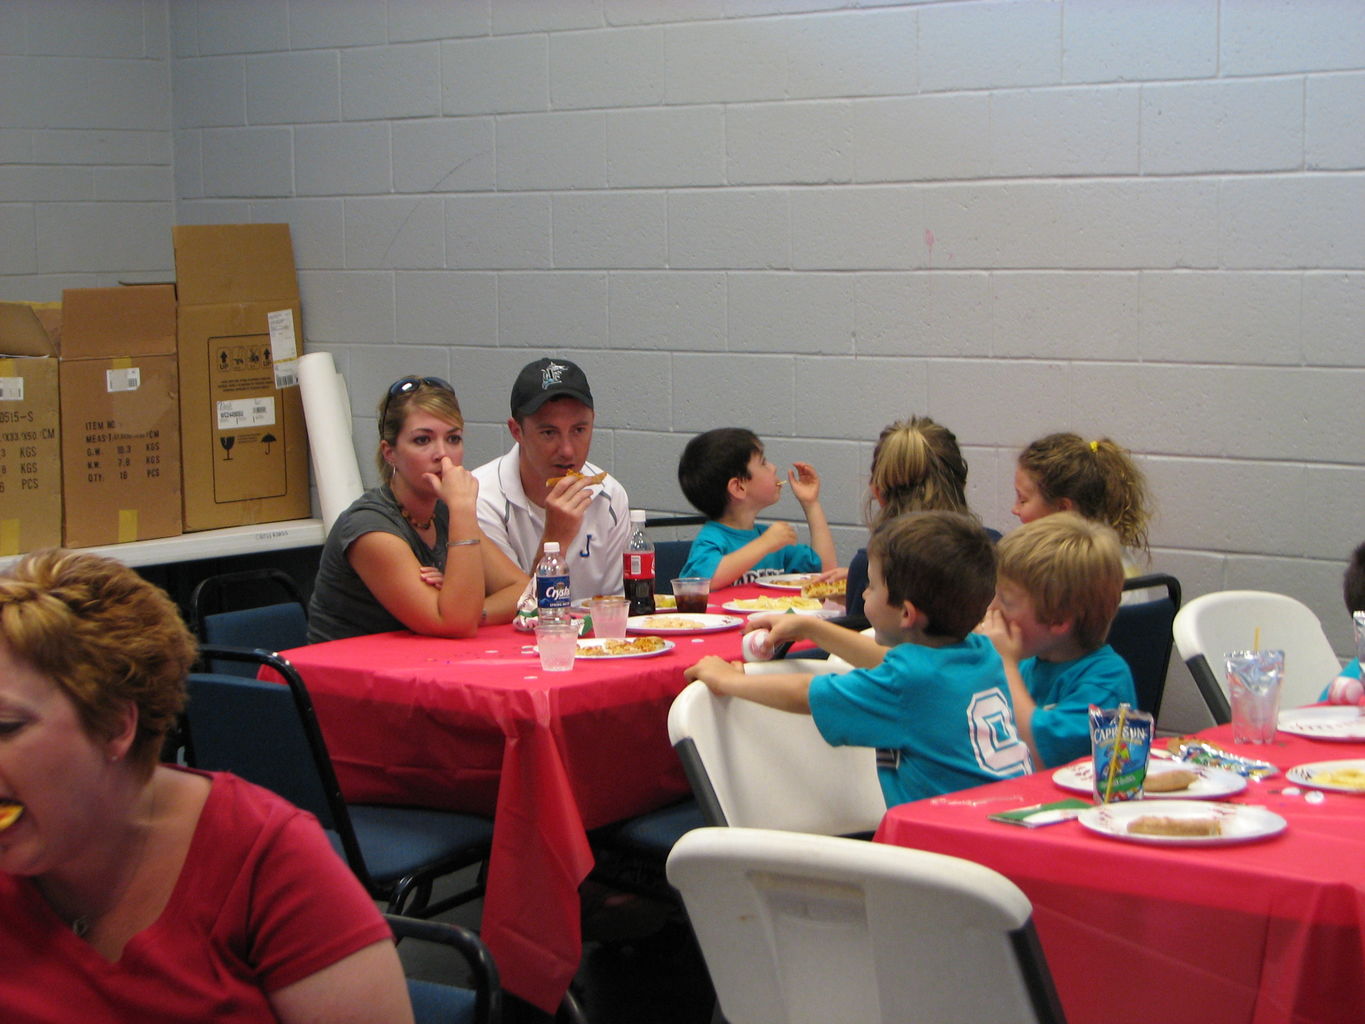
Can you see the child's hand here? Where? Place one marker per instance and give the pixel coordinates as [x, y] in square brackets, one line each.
[713, 670]
[1345, 690]
[779, 536]
[782, 626]
[1007, 639]
[431, 576]
[805, 482]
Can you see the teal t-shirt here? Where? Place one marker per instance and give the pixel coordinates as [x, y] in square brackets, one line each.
[940, 718]
[1351, 671]
[1064, 691]
[714, 541]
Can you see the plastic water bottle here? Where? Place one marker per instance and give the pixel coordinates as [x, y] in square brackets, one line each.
[552, 585]
[637, 576]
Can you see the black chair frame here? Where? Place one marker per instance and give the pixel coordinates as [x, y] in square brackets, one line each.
[487, 988]
[1207, 684]
[215, 594]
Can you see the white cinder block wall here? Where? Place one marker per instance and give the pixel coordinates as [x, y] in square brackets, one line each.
[1139, 218]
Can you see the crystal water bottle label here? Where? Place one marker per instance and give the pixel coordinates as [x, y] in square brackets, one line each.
[552, 591]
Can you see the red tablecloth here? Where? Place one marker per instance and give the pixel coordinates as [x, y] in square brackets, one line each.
[1267, 932]
[475, 725]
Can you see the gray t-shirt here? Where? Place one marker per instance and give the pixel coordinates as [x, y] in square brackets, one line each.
[342, 605]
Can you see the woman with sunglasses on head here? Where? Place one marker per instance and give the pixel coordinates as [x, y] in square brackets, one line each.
[409, 553]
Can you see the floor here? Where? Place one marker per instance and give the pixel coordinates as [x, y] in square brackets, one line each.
[640, 963]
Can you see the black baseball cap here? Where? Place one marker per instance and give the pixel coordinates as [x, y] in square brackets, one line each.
[545, 379]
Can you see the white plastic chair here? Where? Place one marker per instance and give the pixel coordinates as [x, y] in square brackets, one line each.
[757, 767]
[1210, 626]
[808, 929]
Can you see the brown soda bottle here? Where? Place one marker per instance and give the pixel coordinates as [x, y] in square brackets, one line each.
[637, 575]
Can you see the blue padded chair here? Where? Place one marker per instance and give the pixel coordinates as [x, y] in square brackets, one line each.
[268, 734]
[669, 558]
[1141, 635]
[670, 555]
[435, 1002]
[631, 854]
[227, 609]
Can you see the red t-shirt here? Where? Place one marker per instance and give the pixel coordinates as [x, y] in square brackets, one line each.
[262, 901]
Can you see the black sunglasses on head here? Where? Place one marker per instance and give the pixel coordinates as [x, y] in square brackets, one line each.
[406, 385]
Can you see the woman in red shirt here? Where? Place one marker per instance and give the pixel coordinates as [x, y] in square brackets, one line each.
[132, 890]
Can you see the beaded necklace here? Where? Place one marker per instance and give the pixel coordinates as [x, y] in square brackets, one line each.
[415, 524]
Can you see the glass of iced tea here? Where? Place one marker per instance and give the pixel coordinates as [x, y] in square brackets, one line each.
[692, 593]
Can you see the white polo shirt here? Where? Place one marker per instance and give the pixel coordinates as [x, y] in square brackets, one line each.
[515, 524]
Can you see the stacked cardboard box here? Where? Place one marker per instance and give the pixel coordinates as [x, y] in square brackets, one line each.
[30, 428]
[120, 413]
[134, 412]
[245, 443]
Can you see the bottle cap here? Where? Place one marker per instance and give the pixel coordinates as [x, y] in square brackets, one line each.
[552, 547]
[637, 515]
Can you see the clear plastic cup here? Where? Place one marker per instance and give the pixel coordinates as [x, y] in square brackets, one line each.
[609, 614]
[557, 643]
[692, 593]
[1254, 679]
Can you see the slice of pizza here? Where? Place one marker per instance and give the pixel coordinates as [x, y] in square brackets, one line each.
[596, 478]
[825, 589]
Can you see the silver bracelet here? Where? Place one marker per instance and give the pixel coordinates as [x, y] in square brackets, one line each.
[463, 543]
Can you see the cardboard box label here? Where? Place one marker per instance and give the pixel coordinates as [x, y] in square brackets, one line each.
[122, 379]
[247, 430]
[11, 389]
[247, 412]
[284, 349]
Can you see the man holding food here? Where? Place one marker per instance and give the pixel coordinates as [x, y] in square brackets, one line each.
[544, 489]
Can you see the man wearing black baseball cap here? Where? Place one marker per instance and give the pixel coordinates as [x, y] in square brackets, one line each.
[545, 489]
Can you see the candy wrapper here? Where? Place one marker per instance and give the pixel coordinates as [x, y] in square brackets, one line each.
[1197, 751]
[1120, 742]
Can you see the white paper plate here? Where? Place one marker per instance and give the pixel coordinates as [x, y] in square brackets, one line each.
[791, 581]
[1303, 775]
[1342, 723]
[696, 623]
[1211, 784]
[1240, 823]
[586, 649]
[751, 606]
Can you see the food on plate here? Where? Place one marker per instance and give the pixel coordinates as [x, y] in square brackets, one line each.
[616, 648]
[1161, 825]
[776, 604]
[9, 813]
[1170, 782]
[596, 478]
[1347, 778]
[820, 590]
[670, 622]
